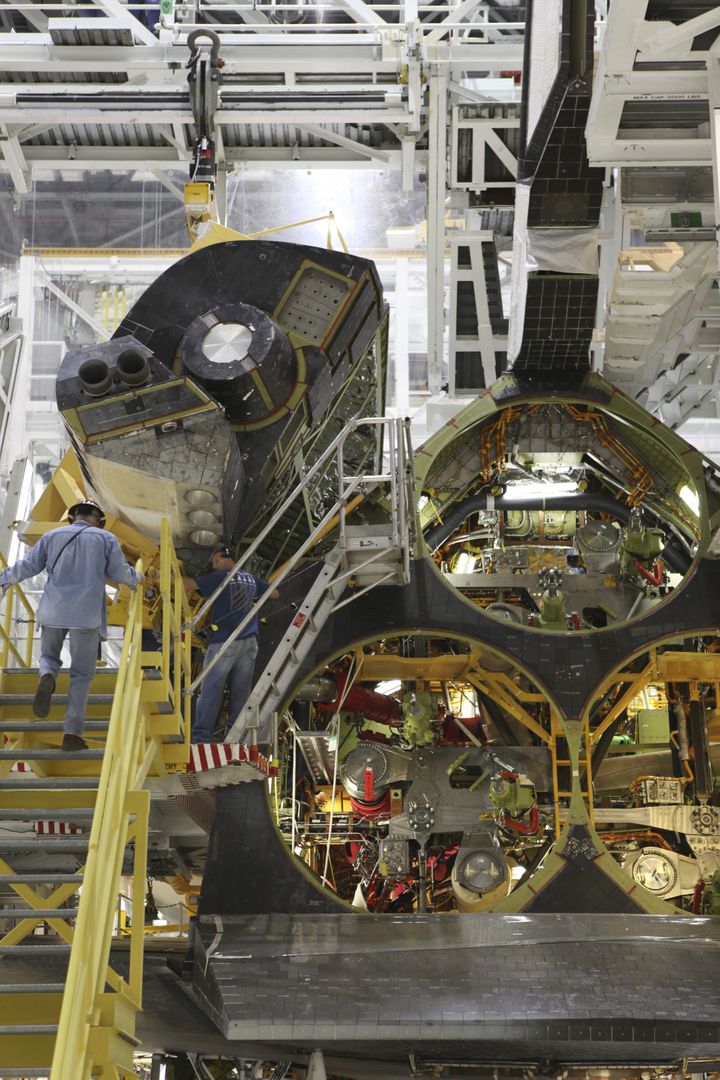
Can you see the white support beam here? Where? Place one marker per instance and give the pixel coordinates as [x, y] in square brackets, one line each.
[70, 216]
[663, 85]
[400, 324]
[674, 38]
[117, 241]
[68, 302]
[19, 392]
[30, 132]
[657, 153]
[169, 186]
[347, 144]
[258, 157]
[247, 11]
[362, 12]
[407, 164]
[494, 90]
[174, 136]
[437, 157]
[38, 19]
[60, 113]
[15, 161]
[456, 15]
[299, 52]
[118, 11]
[221, 202]
[501, 151]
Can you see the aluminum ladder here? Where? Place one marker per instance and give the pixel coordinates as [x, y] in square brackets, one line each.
[364, 556]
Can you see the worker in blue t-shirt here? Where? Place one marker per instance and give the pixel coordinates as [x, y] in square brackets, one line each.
[237, 663]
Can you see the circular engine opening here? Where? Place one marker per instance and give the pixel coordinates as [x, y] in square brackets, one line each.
[199, 497]
[95, 377]
[415, 775]
[133, 367]
[227, 342]
[203, 537]
[202, 517]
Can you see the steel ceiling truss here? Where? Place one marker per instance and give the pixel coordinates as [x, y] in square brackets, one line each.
[650, 105]
[342, 84]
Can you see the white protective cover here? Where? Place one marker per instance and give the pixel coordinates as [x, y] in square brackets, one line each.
[568, 251]
[544, 57]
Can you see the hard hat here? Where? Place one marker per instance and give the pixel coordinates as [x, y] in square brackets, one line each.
[86, 508]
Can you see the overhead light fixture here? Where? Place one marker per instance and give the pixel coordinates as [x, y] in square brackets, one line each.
[518, 492]
[691, 498]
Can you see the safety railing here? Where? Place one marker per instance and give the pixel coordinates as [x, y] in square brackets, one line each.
[8, 648]
[121, 816]
[171, 613]
[399, 476]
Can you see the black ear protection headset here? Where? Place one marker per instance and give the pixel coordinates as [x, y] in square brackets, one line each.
[86, 508]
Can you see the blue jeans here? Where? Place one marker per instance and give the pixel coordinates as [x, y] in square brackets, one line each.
[83, 657]
[235, 666]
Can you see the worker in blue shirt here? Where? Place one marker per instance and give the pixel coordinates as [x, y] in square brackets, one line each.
[237, 663]
[79, 558]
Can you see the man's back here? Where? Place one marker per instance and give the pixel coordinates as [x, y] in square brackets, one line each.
[79, 558]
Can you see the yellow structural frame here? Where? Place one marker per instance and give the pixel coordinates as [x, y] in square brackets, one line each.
[96, 1027]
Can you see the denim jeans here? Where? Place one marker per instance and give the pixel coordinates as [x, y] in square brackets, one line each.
[83, 657]
[235, 667]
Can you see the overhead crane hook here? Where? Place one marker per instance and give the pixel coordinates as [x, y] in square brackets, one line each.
[204, 66]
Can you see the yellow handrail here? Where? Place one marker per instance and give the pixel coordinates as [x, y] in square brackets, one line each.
[174, 658]
[7, 645]
[119, 797]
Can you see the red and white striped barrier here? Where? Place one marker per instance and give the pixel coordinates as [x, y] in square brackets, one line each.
[222, 764]
[57, 828]
[204, 756]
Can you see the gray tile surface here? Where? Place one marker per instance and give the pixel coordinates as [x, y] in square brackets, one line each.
[512, 983]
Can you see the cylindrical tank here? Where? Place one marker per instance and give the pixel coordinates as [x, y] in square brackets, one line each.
[381, 708]
[242, 358]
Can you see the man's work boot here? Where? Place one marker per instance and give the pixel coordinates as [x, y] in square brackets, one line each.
[43, 694]
[73, 742]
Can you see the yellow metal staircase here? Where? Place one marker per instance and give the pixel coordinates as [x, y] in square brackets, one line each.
[65, 1009]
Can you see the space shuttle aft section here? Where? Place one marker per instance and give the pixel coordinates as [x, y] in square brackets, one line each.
[569, 567]
[231, 371]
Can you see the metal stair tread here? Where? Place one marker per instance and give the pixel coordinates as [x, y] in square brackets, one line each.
[45, 813]
[26, 1071]
[57, 699]
[148, 673]
[44, 913]
[41, 726]
[45, 753]
[37, 950]
[31, 988]
[44, 841]
[28, 1029]
[40, 877]
[63, 671]
[21, 781]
